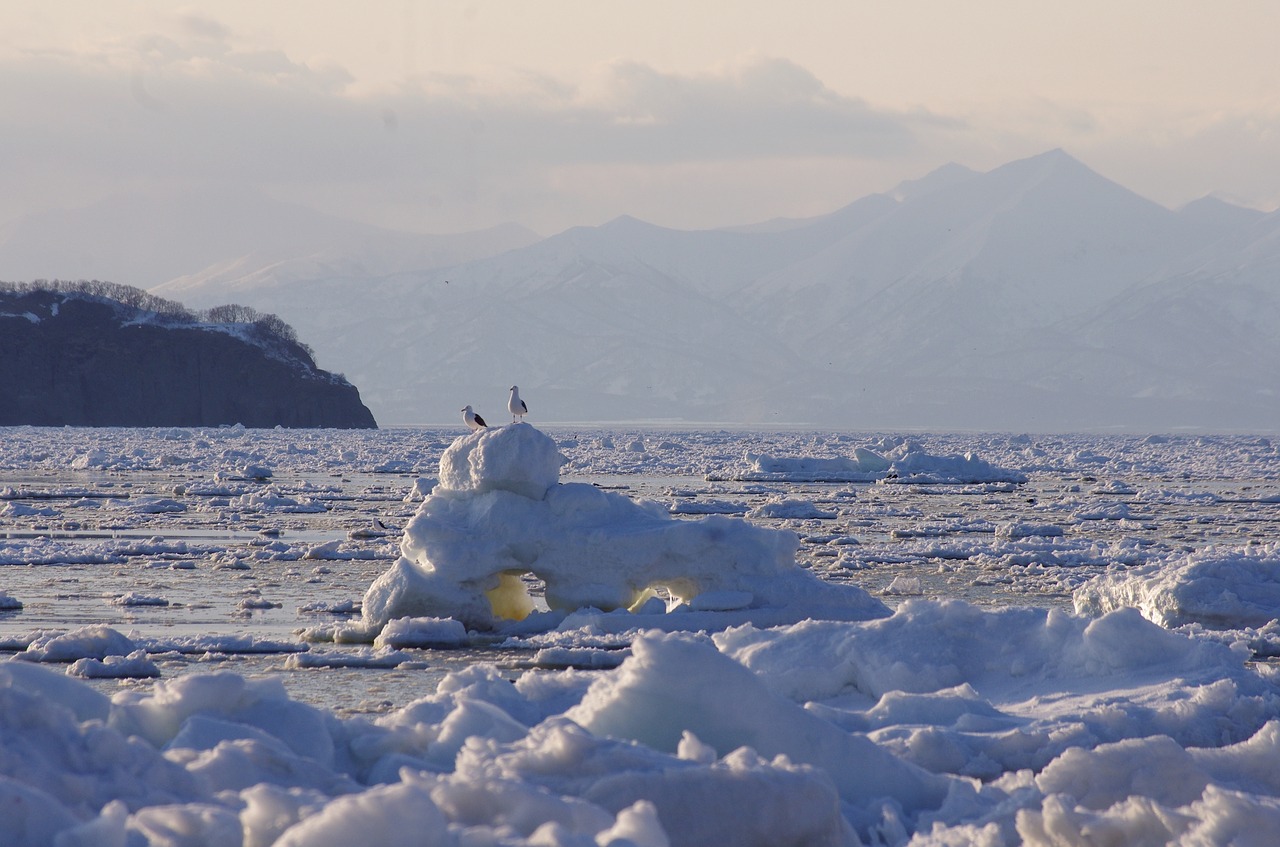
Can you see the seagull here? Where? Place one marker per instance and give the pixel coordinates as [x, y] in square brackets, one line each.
[473, 420]
[516, 406]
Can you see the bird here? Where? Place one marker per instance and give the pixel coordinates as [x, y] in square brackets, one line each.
[472, 420]
[516, 406]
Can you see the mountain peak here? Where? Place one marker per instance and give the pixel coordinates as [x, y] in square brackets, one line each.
[944, 177]
[1053, 161]
[1213, 207]
[1060, 178]
[629, 223]
[1056, 154]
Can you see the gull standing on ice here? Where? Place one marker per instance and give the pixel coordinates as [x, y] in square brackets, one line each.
[516, 406]
[473, 420]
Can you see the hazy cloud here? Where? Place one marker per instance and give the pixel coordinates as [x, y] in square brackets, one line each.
[1236, 156]
[200, 26]
[447, 152]
[199, 110]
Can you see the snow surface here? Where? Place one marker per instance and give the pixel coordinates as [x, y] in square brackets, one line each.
[1110, 683]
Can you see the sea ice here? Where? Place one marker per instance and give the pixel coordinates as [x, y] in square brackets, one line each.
[907, 461]
[1220, 588]
[499, 512]
[136, 665]
[938, 722]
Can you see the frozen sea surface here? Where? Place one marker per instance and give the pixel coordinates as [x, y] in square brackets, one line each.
[169, 534]
[129, 555]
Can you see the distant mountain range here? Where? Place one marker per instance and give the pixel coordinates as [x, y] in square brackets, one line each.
[1038, 296]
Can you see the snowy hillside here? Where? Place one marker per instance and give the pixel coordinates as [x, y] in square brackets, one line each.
[1037, 296]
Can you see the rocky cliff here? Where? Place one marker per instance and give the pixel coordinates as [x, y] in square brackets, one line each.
[78, 359]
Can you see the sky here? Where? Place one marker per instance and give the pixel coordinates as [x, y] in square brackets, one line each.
[450, 116]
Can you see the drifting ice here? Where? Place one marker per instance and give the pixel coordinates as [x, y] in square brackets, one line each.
[905, 462]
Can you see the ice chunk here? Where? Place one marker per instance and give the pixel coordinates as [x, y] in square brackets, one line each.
[499, 514]
[1221, 588]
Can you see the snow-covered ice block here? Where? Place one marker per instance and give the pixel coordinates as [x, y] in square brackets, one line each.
[499, 513]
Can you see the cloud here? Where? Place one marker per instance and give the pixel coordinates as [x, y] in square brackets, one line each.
[734, 144]
[197, 109]
[203, 27]
[767, 108]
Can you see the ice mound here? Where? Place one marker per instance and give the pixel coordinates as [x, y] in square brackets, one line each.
[674, 685]
[1217, 588]
[864, 466]
[519, 459]
[905, 462]
[499, 513]
[911, 463]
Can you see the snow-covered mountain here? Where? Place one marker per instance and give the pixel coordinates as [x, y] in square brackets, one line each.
[1036, 296]
[999, 300]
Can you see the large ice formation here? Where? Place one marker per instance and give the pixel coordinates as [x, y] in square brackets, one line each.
[499, 513]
